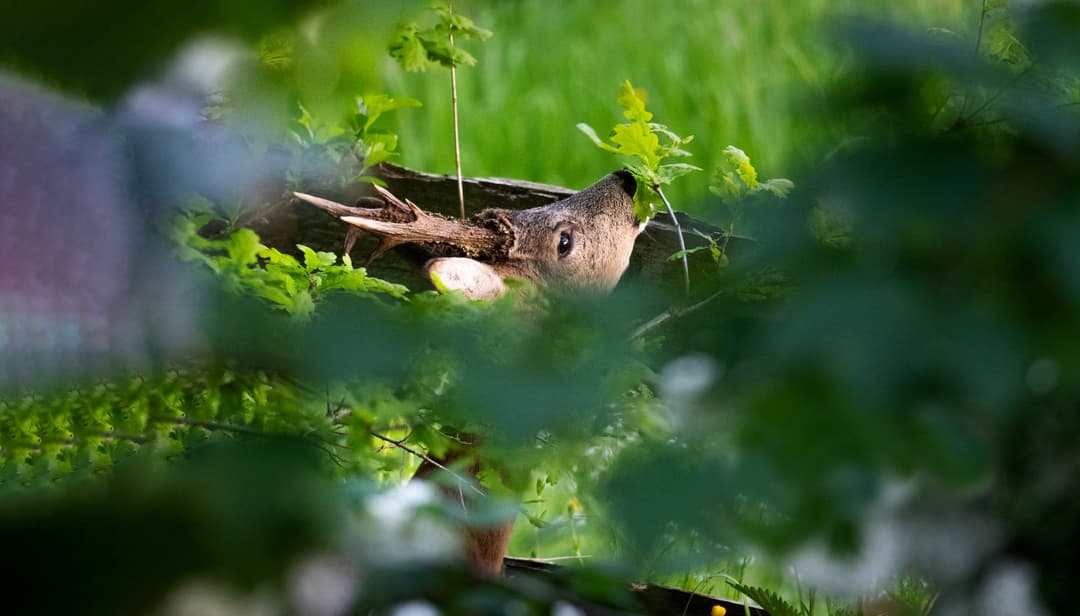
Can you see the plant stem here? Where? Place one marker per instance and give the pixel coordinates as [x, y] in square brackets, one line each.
[427, 458]
[982, 21]
[671, 313]
[978, 44]
[555, 559]
[682, 243]
[457, 139]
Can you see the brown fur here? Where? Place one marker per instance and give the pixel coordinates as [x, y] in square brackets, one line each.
[485, 546]
[601, 219]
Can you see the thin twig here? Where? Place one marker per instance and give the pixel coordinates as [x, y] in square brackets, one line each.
[671, 313]
[982, 20]
[971, 125]
[456, 436]
[978, 44]
[940, 108]
[425, 458]
[993, 97]
[550, 559]
[70, 443]
[682, 242]
[323, 444]
[213, 425]
[457, 138]
[335, 458]
[930, 604]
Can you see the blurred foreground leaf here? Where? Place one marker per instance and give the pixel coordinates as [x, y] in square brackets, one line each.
[101, 49]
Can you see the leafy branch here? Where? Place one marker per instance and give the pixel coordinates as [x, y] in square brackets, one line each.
[639, 141]
[355, 145]
[402, 446]
[734, 180]
[291, 284]
[671, 313]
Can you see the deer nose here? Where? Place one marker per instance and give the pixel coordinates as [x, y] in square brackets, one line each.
[629, 184]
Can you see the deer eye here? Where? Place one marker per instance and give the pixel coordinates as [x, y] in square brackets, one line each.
[566, 243]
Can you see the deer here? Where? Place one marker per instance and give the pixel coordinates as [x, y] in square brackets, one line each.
[580, 244]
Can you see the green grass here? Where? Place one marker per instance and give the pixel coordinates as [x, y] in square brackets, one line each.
[742, 72]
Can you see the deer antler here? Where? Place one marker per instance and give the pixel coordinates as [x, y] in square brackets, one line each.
[403, 222]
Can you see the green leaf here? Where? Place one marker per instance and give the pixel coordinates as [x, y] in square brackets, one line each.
[416, 48]
[348, 279]
[667, 173]
[439, 50]
[778, 187]
[436, 444]
[767, 284]
[374, 105]
[636, 140]
[302, 305]
[1000, 40]
[736, 160]
[274, 256]
[244, 246]
[718, 256]
[639, 169]
[639, 140]
[406, 48]
[379, 148]
[318, 132]
[830, 227]
[633, 103]
[276, 50]
[311, 260]
[316, 260]
[645, 199]
[273, 294]
[437, 282]
[326, 259]
[770, 601]
[460, 25]
[370, 179]
[307, 123]
[591, 134]
[727, 186]
[735, 177]
[679, 254]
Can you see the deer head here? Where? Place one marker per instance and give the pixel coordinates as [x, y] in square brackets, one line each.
[581, 243]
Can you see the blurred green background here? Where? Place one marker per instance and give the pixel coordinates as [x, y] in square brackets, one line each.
[752, 73]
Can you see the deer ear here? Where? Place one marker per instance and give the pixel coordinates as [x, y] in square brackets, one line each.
[475, 279]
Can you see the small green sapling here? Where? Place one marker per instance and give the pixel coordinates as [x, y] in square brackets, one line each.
[638, 141]
[417, 48]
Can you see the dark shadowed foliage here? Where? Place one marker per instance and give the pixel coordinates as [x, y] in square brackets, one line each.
[878, 390]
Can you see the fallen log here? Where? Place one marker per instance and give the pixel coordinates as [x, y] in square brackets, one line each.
[654, 599]
[289, 222]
